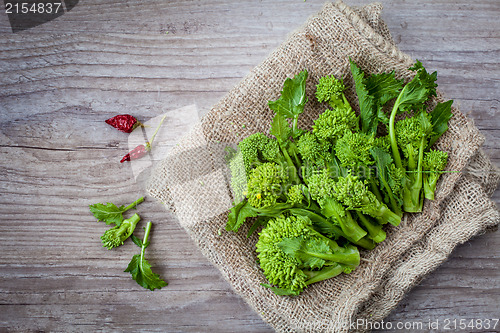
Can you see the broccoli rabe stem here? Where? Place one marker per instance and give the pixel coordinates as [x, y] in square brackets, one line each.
[392, 132]
[412, 197]
[324, 226]
[348, 257]
[293, 152]
[135, 203]
[384, 215]
[292, 170]
[375, 230]
[323, 274]
[430, 183]
[392, 200]
[331, 208]
[374, 189]
[412, 192]
[145, 239]
[295, 125]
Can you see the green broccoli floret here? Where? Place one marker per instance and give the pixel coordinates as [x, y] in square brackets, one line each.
[258, 148]
[294, 195]
[287, 261]
[265, 185]
[353, 150]
[412, 137]
[321, 188]
[352, 192]
[331, 90]
[409, 136]
[383, 142]
[315, 153]
[312, 149]
[252, 151]
[332, 124]
[434, 162]
[117, 235]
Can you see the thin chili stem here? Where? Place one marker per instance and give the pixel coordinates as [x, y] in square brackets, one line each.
[157, 129]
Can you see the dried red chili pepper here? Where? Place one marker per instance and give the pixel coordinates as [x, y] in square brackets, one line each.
[124, 122]
[137, 152]
[142, 150]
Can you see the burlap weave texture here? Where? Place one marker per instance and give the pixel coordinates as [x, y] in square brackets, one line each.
[193, 180]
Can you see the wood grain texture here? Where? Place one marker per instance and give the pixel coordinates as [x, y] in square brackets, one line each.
[60, 80]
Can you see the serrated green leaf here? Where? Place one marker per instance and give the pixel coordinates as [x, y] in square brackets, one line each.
[108, 213]
[141, 272]
[367, 106]
[382, 160]
[383, 87]
[418, 90]
[305, 250]
[373, 93]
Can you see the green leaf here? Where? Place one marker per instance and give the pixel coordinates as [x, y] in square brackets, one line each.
[280, 128]
[426, 79]
[367, 106]
[239, 214]
[383, 87]
[439, 119]
[136, 241]
[143, 275]
[418, 90]
[293, 97]
[382, 161]
[306, 250]
[261, 221]
[373, 93]
[108, 213]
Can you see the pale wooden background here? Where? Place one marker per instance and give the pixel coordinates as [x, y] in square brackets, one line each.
[60, 80]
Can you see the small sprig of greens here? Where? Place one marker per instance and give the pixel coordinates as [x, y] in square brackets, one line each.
[289, 106]
[123, 229]
[110, 214]
[139, 267]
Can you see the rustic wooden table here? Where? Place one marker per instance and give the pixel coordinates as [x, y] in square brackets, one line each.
[60, 80]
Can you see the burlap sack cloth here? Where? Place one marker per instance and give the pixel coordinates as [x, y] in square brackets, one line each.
[193, 180]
